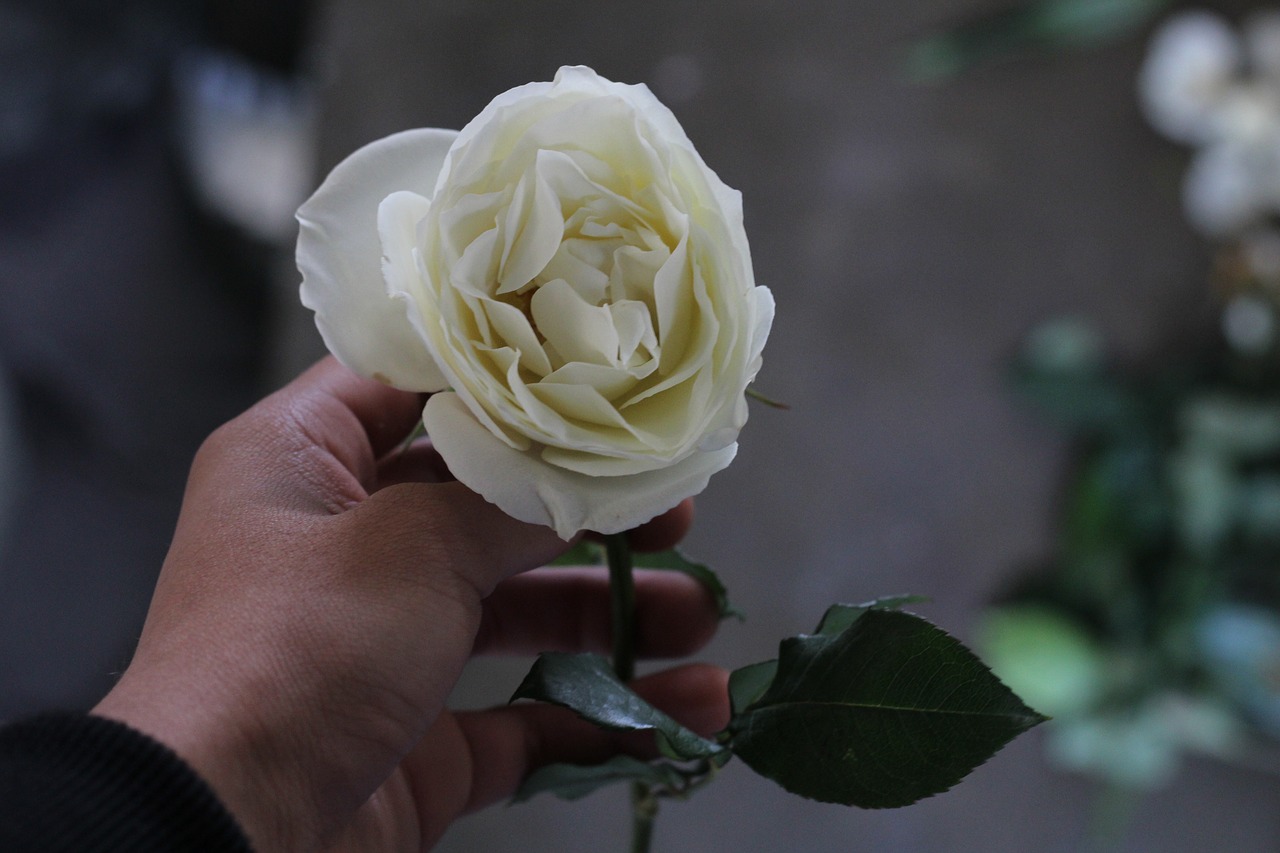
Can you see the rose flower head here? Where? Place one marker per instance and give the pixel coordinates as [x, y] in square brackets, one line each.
[573, 282]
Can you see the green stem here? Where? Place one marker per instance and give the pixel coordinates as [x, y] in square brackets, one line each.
[622, 594]
[644, 808]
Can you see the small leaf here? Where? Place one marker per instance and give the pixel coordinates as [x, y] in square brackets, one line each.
[674, 561]
[768, 401]
[584, 553]
[886, 713]
[748, 684]
[840, 616]
[584, 683]
[573, 781]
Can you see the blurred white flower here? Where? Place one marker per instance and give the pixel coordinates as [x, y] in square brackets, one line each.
[1190, 64]
[1206, 85]
[1248, 324]
[1229, 186]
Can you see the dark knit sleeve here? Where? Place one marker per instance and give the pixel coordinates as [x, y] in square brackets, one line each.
[73, 782]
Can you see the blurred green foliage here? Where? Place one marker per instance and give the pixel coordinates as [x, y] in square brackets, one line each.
[1154, 628]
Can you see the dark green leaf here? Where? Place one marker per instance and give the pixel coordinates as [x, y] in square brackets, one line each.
[584, 553]
[675, 561]
[572, 781]
[888, 712]
[584, 683]
[840, 616]
[748, 684]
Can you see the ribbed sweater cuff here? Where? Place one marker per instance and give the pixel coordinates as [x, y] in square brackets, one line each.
[73, 782]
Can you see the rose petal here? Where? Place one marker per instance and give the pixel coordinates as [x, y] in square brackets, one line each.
[340, 256]
[513, 327]
[762, 306]
[527, 488]
[533, 230]
[574, 329]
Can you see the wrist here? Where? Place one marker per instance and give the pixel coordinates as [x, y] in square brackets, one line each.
[243, 761]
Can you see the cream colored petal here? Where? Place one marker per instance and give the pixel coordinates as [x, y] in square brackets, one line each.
[577, 330]
[580, 405]
[533, 230]
[611, 382]
[513, 326]
[673, 297]
[635, 328]
[398, 218]
[527, 488]
[340, 256]
[762, 307]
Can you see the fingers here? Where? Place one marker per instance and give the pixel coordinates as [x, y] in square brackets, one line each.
[567, 609]
[419, 463]
[451, 530]
[496, 749]
[422, 511]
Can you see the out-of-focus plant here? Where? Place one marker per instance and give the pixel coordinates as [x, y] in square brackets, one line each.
[1038, 25]
[1153, 630]
[1217, 89]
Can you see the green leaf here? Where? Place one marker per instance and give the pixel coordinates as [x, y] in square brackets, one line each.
[584, 683]
[841, 616]
[1045, 655]
[886, 713]
[748, 684]
[584, 553]
[573, 781]
[674, 561]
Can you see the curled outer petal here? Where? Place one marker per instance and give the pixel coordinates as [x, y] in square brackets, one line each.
[340, 256]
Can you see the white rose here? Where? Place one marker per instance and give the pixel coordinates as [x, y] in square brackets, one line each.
[574, 275]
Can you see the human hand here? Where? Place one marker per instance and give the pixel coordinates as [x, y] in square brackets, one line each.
[320, 598]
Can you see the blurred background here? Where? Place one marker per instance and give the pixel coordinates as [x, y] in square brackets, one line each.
[918, 212]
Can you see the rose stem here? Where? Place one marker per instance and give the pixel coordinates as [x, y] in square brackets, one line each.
[622, 594]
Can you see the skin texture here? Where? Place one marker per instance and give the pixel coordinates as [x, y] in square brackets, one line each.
[323, 592]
